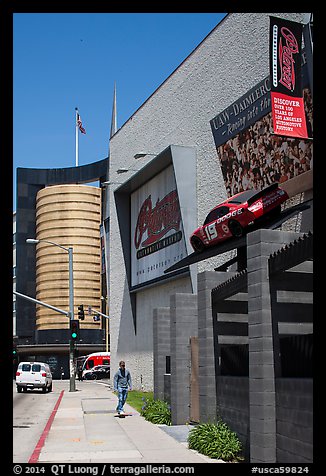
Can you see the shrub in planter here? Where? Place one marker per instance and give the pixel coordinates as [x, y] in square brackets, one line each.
[216, 440]
[156, 411]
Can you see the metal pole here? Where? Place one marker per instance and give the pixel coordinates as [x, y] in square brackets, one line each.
[71, 305]
[76, 137]
[71, 316]
[57, 309]
[107, 336]
[71, 283]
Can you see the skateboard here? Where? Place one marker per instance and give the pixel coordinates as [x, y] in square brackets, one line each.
[119, 415]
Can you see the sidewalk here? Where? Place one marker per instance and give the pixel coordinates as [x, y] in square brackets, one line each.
[85, 429]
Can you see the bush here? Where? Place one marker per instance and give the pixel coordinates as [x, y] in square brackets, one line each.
[156, 411]
[215, 440]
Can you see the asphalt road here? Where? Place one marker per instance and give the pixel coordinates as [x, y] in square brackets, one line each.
[31, 411]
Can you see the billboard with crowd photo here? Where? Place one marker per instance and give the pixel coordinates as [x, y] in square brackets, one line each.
[250, 154]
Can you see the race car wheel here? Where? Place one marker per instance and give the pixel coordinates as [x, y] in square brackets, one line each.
[197, 244]
[235, 228]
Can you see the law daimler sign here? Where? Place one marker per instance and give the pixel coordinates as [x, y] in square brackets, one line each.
[157, 237]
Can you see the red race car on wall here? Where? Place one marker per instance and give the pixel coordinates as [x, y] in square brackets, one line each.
[230, 218]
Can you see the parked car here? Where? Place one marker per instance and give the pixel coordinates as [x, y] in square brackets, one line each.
[96, 373]
[231, 217]
[30, 375]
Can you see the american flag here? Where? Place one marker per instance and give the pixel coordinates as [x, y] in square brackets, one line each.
[79, 124]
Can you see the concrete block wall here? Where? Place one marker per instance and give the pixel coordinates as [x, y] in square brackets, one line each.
[294, 420]
[233, 404]
[272, 416]
[161, 348]
[207, 375]
[260, 245]
[184, 324]
[167, 388]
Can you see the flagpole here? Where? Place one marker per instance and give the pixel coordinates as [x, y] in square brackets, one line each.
[76, 127]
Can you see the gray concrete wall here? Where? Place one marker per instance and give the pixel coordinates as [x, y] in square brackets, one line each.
[294, 420]
[233, 402]
[260, 245]
[207, 381]
[184, 324]
[272, 416]
[161, 348]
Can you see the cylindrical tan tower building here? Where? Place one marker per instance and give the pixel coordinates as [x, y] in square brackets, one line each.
[70, 216]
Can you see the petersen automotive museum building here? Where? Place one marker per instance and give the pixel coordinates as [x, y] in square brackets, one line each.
[203, 135]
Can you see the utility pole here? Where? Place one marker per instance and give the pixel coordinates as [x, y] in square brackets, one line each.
[72, 387]
[72, 380]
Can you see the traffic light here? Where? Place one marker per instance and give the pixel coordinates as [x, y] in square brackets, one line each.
[81, 312]
[74, 329]
[14, 351]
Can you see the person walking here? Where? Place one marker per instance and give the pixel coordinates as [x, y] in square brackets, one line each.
[80, 373]
[121, 382]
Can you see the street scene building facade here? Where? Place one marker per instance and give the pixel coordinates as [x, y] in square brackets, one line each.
[177, 115]
[215, 335]
[214, 110]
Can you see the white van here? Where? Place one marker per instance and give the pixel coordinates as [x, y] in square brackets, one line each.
[33, 375]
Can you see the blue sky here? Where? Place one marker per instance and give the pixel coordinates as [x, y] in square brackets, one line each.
[67, 60]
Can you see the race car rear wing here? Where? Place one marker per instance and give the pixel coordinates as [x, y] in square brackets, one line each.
[261, 193]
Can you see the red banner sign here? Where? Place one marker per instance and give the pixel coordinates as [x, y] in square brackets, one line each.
[157, 221]
[286, 91]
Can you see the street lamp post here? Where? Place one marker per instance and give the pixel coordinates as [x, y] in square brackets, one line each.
[71, 307]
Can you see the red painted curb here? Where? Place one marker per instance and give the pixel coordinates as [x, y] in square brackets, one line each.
[37, 450]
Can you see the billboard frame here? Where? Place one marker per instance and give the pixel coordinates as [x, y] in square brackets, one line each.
[183, 160]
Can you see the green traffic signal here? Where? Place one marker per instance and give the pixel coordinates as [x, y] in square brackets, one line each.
[74, 329]
[14, 350]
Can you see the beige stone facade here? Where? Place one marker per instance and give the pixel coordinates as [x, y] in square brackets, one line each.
[68, 215]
